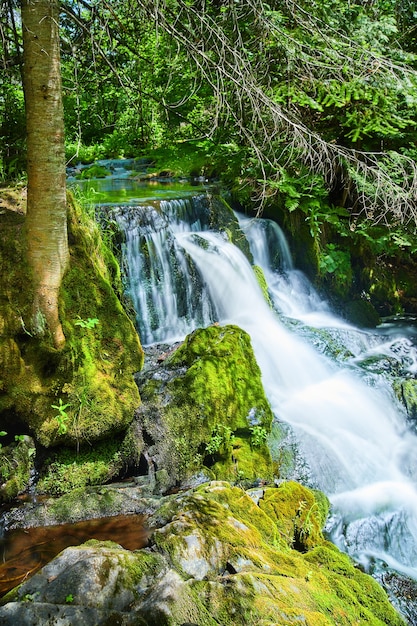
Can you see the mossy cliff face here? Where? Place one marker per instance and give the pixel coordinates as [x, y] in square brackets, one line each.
[93, 374]
[203, 405]
[216, 555]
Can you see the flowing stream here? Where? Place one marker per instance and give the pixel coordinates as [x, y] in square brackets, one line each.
[324, 378]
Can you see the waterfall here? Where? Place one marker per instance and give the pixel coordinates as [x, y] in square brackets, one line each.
[350, 429]
[167, 293]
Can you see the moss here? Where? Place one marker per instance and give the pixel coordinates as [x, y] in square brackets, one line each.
[16, 464]
[361, 593]
[406, 391]
[223, 219]
[260, 276]
[218, 557]
[249, 571]
[81, 503]
[241, 505]
[139, 565]
[298, 512]
[93, 374]
[94, 171]
[66, 468]
[222, 377]
[206, 408]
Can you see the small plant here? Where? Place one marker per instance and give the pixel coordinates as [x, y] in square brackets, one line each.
[337, 262]
[2, 434]
[259, 435]
[28, 597]
[221, 437]
[90, 322]
[305, 527]
[62, 416]
[19, 437]
[69, 598]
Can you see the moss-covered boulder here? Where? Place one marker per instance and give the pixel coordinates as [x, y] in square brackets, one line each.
[204, 405]
[86, 391]
[216, 555]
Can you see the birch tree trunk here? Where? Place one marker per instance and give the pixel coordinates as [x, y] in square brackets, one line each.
[46, 219]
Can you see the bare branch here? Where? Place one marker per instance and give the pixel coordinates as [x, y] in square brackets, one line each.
[273, 132]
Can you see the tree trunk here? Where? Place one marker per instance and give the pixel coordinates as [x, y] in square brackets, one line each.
[46, 219]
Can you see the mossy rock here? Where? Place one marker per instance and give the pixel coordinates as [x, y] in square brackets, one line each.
[217, 555]
[298, 512]
[406, 391]
[16, 465]
[94, 171]
[202, 404]
[93, 373]
[65, 468]
[260, 277]
[238, 555]
[362, 313]
[222, 218]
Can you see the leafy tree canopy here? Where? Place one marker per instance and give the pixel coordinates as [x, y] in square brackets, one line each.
[278, 91]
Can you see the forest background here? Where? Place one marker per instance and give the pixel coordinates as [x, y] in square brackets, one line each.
[307, 111]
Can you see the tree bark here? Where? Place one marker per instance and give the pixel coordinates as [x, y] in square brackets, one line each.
[46, 219]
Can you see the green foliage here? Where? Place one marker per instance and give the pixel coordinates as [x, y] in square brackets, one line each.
[337, 263]
[68, 469]
[90, 322]
[2, 434]
[383, 241]
[94, 171]
[306, 192]
[12, 128]
[259, 435]
[182, 158]
[79, 153]
[221, 440]
[62, 416]
[305, 519]
[28, 597]
[16, 463]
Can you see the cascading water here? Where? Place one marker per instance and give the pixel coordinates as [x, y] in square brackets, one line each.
[163, 285]
[350, 429]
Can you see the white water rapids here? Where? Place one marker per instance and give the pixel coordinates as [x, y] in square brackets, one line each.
[349, 427]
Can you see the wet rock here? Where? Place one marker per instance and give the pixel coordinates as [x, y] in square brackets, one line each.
[202, 405]
[215, 557]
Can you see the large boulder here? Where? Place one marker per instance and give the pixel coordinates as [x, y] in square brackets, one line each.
[204, 406]
[86, 391]
[216, 555]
